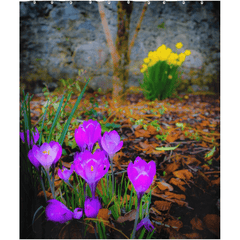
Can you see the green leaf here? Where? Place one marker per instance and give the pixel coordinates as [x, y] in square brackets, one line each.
[166, 148]
[209, 162]
[64, 152]
[181, 125]
[209, 154]
[71, 115]
[161, 25]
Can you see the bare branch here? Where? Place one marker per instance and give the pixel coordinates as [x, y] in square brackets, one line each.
[112, 47]
[137, 29]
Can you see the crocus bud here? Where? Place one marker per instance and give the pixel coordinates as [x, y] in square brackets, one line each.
[91, 207]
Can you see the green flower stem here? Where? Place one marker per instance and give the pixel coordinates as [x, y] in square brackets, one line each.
[95, 230]
[43, 188]
[139, 196]
[51, 183]
[135, 223]
[111, 161]
[107, 185]
[70, 185]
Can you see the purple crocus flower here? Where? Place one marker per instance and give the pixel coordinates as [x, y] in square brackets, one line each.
[91, 207]
[146, 223]
[58, 212]
[46, 155]
[141, 174]
[87, 134]
[34, 134]
[64, 173]
[91, 167]
[111, 143]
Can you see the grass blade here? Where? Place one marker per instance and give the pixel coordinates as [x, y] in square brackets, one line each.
[71, 115]
[44, 115]
[55, 119]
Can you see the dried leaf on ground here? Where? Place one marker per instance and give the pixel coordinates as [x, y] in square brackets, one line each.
[104, 214]
[176, 196]
[175, 223]
[177, 182]
[193, 235]
[48, 194]
[183, 174]
[212, 222]
[196, 224]
[216, 181]
[164, 186]
[172, 167]
[162, 205]
[130, 216]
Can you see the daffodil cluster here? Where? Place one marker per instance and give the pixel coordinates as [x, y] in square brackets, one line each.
[165, 54]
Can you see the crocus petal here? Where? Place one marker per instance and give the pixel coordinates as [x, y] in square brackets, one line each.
[114, 136]
[64, 173]
[80, 137]
[46, 161]
[142, 182]
[146, 223]
[141, 174]
[91, 207]
[111, 143]
[56, 151]
[58, 212]
[91, 167]
[77, 213]
[35, 135]
[33, 160]
[118, 147]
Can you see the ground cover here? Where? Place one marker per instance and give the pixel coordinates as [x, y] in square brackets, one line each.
[185, 199]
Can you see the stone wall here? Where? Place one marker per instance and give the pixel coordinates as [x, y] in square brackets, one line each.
[56, 40]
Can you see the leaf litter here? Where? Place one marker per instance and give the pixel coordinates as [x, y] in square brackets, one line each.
[186, 191]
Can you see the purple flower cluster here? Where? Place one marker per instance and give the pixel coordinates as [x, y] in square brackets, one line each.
[90, 166]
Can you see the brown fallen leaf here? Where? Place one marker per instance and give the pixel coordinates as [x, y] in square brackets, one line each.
[212, 222]
[176, 196]
[175, 223]
[177, 182]
[142, 133]
[164, 186]
[216, 181]
[104, 214]
[130, 216]
[193, 235]
[196, 224]
[172, 167]
[48, 194]
[183, 174]
[162, 205]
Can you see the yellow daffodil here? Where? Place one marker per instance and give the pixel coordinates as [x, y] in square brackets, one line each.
[146, 60]
[187, 52]
[179, 45]
[181, 57]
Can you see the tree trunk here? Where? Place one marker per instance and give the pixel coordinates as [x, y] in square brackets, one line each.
[121, 51]
[122, 71]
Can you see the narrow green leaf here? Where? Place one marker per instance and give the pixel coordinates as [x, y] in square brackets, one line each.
[166, 148]
[44, 115]
[142, 233]
[209, 154]
[55, 119]
[149, 236]
[71, 115]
